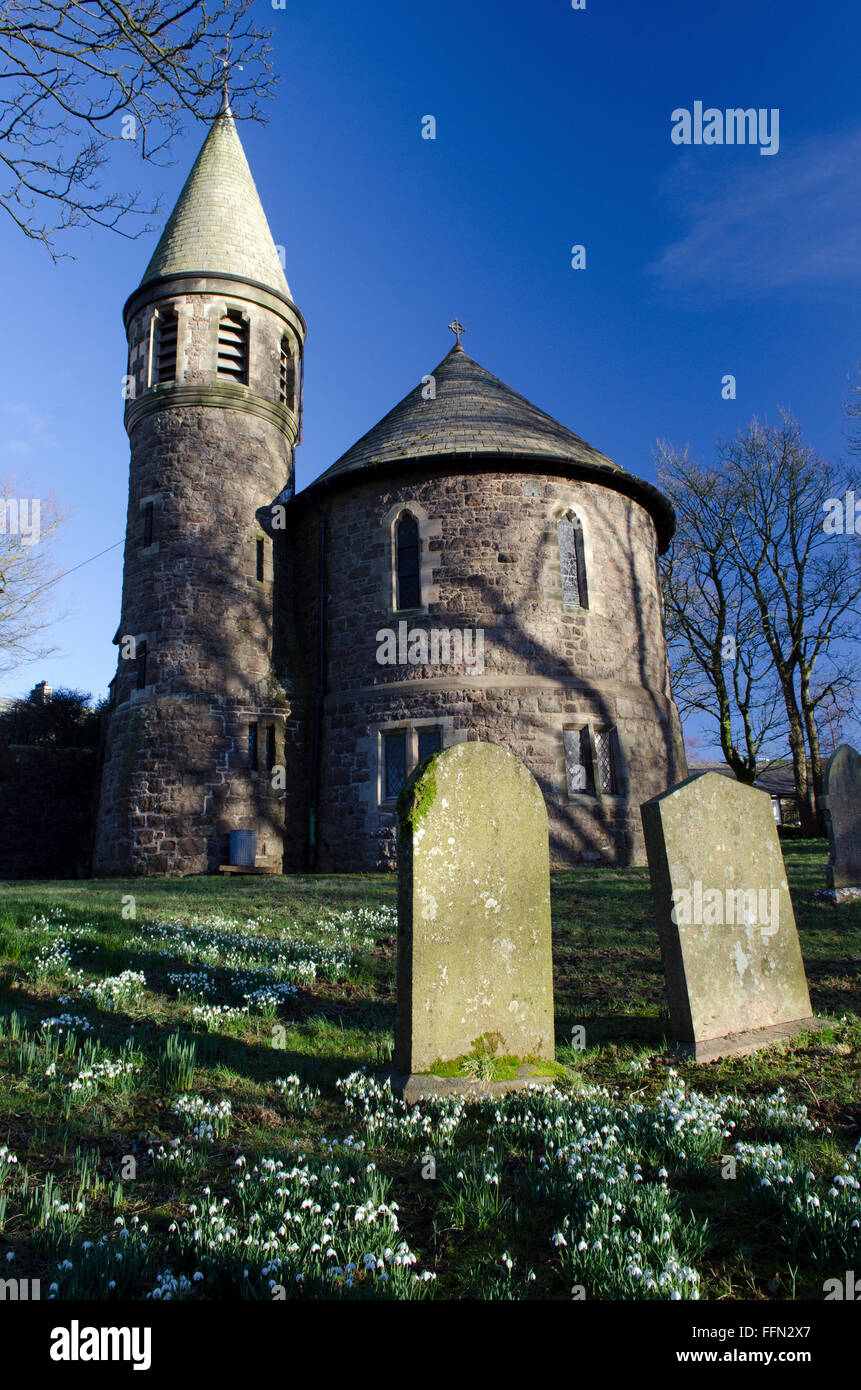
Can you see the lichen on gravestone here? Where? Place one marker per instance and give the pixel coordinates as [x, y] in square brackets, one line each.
[474, 953]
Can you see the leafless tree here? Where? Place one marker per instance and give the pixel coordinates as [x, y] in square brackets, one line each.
[760, 525]
[76, 75]
[720, 663]
[806, 583]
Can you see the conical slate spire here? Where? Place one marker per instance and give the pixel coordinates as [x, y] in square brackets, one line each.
[471, 412]
[218, 224]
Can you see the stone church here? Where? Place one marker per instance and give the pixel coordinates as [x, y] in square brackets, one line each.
[469, 569]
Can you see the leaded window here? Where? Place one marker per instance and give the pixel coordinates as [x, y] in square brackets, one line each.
[394, 763]
[605, 760]
[407, 554]
[572, 562]
[430, 742]
[579, 773]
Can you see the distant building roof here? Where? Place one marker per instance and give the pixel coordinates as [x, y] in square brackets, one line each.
[775, 777]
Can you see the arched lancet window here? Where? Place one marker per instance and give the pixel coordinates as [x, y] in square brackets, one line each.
[407, 555]
[233, 347]
[572, 562]
[167, 328]
[287, 375]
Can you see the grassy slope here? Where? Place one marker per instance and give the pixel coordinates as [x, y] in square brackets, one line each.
[608, 977]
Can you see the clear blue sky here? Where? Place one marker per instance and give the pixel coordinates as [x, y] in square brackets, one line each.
[553, 128]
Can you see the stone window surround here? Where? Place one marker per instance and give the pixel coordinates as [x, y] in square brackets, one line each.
[140, 639]
[147, 346]
[262, 722]
[558, 511]
[268, 559]
[428, 562]
[573, 724]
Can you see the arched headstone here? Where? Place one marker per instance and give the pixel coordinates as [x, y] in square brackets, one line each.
[474, 954]
[732, 958]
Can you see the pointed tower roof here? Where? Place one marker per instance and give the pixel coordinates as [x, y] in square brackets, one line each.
[472, 412]
[218, 225]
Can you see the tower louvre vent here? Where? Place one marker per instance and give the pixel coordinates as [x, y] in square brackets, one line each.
[233, 347]
[286, 382]
[165, 367]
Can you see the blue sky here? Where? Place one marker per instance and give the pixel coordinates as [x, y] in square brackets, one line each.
[553, 129]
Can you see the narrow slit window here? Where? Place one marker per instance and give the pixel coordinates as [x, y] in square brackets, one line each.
[572, 562]
[141, 665]
[261, 558]
[287, 375]
[270, 747]
[148, 518]
[252, 747]
[407, 553]
[233, 347]
[394, 764]
[579, 772]
[605, 759]
[167, 330]
[430, 742]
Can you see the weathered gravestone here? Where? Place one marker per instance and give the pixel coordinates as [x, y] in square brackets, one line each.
[842, 801]
[730, 948]
[475, 971]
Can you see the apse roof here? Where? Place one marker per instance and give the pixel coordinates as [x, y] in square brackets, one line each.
[464, 410]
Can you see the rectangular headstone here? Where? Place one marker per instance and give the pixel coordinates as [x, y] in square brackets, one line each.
[474, 954]
[842, 802]
[729, 943]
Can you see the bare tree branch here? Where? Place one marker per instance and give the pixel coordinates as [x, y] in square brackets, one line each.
[77, 75]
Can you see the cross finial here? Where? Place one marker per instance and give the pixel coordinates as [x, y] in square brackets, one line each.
[457, 329]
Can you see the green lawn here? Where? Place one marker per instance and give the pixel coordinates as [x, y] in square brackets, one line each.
[197, 1118]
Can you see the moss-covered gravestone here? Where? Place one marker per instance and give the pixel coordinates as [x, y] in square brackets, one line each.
[475, 975]
[842, 802]
[732, 959]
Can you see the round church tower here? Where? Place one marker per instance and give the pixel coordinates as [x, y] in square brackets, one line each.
[213, 407]
[486, 575]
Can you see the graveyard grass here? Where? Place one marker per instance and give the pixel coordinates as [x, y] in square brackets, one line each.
[269, 1163]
